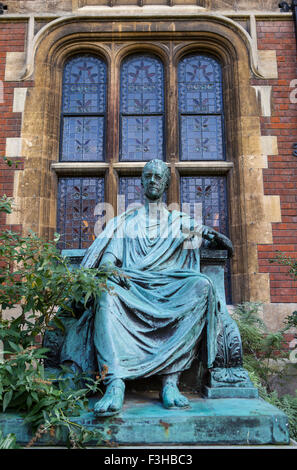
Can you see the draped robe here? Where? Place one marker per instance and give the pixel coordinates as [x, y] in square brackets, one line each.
[154, 327]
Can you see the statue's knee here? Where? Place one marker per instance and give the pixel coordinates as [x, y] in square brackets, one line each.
[203, 285]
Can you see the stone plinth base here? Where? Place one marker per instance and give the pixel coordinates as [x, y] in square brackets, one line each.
[231, 392]
[144, 421]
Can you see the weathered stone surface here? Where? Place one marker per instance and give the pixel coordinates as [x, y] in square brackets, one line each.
[143, 420]
[53, 6]
[14, 67]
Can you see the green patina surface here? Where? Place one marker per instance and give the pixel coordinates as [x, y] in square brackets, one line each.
[144, 421]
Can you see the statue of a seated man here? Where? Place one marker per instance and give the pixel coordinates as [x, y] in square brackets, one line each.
[154, 317]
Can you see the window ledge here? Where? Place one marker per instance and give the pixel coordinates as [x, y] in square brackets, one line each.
[99, 168]
[206, 167]
[79, 168]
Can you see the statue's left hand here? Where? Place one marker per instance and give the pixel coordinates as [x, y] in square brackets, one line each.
[208, 233]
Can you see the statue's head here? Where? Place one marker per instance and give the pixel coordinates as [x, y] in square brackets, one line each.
[155, 179]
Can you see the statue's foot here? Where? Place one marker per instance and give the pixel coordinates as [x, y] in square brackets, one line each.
[112, 401]
[172, 398]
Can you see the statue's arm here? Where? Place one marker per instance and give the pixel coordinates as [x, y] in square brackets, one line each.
[108, 259]
[217, 240]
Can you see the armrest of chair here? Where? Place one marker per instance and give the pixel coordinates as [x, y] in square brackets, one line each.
[75, 257]
[212, 264]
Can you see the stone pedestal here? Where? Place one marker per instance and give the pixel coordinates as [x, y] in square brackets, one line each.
[144, 421]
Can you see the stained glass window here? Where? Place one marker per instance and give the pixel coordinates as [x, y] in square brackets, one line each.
[130, 193]
[200, 108]
[205, 199]
[83, 109]
[206, 196]
[142, 108]
[77, 199]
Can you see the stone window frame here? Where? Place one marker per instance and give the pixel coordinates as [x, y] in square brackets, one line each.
[122, 168]
[242, 124]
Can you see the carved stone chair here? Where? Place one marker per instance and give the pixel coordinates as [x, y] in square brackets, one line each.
[227, 378]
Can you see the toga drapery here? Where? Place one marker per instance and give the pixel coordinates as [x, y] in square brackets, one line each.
[153, 327]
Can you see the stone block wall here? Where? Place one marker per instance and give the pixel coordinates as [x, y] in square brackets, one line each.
[280, 176]
[12, 41]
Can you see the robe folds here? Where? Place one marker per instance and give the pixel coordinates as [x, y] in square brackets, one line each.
[155, 325]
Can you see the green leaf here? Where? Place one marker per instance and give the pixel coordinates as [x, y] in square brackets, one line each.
[14, 346]
[7, 399]
[59, 323]
[8, 442]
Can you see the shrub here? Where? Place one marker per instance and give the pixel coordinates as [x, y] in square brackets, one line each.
[260, 350]
[36, 279]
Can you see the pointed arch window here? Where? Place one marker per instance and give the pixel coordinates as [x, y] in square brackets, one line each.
[82, 140]
[83, 109]
[142, 108]
[200, 108]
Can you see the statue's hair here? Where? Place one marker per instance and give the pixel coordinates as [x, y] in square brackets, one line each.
[158, 162]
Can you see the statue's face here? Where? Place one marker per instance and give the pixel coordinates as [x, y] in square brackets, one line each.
[154, 182]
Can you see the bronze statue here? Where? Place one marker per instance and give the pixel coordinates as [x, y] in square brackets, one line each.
[152, 321]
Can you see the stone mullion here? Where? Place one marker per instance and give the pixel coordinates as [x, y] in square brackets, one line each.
[171, 129]
[112, 134]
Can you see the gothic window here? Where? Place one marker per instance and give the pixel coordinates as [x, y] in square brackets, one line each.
[200, 108]
[142, 108]
[77, 199]
[82, 140]
[206, 194]
[83, 109]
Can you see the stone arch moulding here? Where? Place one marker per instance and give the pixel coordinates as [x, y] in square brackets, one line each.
[250, 221]
[198, 21]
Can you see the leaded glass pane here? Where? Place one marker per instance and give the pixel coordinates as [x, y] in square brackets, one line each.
[77, 199]
[200, 108]
[130, 193]
[142, 85]
[142, 137]
[84, 85]
[200, 85]
[205, 199]
[83, 138]
[209, 194]
[142, 108]
[201, 138]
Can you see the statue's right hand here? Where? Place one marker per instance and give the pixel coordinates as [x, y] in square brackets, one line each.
[120, 278]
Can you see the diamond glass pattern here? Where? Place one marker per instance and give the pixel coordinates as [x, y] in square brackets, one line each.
[210, 192]
[201, 138]
[142, 108]
[83, 138]
[84, 103]
[142, 137]
[200, 108]
[130, 193]
[77, 199]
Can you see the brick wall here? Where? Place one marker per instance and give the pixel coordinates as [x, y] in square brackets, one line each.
[280, 178]
[12, 39]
